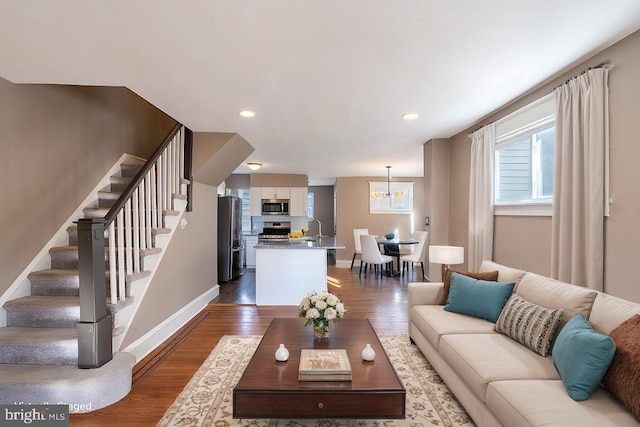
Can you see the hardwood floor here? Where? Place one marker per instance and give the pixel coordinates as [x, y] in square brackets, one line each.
[160, 377]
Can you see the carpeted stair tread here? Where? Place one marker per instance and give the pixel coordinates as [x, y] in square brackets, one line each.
[39, 346]
[106, 199]
[150, 251]
[95, 213]
[55, 282]
[130, 169]
[43, 311]
[72, 231]
[64, 257]
[98, 387]
[66, 282]
[119, 183]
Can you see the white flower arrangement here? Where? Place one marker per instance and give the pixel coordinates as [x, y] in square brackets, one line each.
[319, 308]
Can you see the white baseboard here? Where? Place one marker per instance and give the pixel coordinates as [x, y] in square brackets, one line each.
[344, 263]
[144, 345]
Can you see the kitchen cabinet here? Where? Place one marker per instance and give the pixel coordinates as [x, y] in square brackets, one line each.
[255, 201]
[249, 243]
[275, 192]
[298, 201]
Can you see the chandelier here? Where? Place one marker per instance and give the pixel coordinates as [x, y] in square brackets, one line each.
[388, 194]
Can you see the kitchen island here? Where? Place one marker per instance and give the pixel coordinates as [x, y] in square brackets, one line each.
[286, 272]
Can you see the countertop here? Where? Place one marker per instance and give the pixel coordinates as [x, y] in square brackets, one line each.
[328, 242]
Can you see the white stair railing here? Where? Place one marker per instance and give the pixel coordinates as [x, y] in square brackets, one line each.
[136, 224]
[129, 226]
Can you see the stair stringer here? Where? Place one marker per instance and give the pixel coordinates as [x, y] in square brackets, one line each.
[21, 287]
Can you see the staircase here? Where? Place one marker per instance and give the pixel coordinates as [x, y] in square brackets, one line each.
[42, 330]
[39, 345]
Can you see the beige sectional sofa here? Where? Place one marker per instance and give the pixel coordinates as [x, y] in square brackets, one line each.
[501, 382]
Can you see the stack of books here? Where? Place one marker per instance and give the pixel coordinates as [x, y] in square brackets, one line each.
[324, 365]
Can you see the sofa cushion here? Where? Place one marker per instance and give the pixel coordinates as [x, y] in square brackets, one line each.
[623, 376]
[477, 298]
[608, 312]
[582, 356]
[529, 324]
[491, 276]
[433, 322]
[546, 403]
[505, 274]
[482, 358]
[553, 293]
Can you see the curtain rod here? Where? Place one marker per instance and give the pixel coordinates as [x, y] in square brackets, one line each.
[604, 64]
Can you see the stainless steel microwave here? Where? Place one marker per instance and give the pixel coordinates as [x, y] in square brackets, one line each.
[275, 207]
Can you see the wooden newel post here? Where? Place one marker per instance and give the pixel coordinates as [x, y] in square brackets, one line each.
[95, 329]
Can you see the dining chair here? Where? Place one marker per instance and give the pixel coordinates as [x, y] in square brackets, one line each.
[419, 254]
[371, 255]
[357, 232]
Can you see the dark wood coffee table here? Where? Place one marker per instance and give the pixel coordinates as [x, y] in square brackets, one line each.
[270, 389]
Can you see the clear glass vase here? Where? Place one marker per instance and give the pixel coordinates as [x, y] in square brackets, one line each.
[321, 330]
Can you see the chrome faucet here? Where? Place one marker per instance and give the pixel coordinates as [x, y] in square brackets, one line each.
[319, 226]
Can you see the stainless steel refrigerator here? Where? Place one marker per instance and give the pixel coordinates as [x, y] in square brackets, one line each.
[230, 249]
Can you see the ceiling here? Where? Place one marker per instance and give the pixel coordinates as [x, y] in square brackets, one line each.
[328, 80]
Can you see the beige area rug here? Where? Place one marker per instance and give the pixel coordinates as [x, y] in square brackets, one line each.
[207, 399]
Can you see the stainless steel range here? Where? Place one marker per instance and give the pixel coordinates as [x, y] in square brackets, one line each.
[275, 231]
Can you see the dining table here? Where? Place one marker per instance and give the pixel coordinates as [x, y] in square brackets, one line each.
[391, 248]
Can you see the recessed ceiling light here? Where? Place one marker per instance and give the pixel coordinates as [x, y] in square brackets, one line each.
[247, 113]
[410, 116]
[254, 166]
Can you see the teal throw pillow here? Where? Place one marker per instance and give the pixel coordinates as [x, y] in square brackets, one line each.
[477, 298]
[582, 357]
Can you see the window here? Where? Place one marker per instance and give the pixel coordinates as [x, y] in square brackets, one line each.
[310, 205]
[244, 194]
[524, 156]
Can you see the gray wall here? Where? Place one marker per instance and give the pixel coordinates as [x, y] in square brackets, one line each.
[524, 242]
[323, 198]
[189, 267]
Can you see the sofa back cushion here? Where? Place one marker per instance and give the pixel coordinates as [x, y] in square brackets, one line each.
[505, 274]
[552, 293]
[608, 312]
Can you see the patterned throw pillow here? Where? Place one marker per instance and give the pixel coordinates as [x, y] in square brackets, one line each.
[623, 377]
[489, 276]
[529, 324]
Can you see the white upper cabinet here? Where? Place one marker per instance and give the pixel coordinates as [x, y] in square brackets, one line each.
[298, 201]
[255, 202]
[275, 192]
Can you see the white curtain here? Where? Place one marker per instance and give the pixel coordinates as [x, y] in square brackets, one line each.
[580, 191]
[481, 197]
